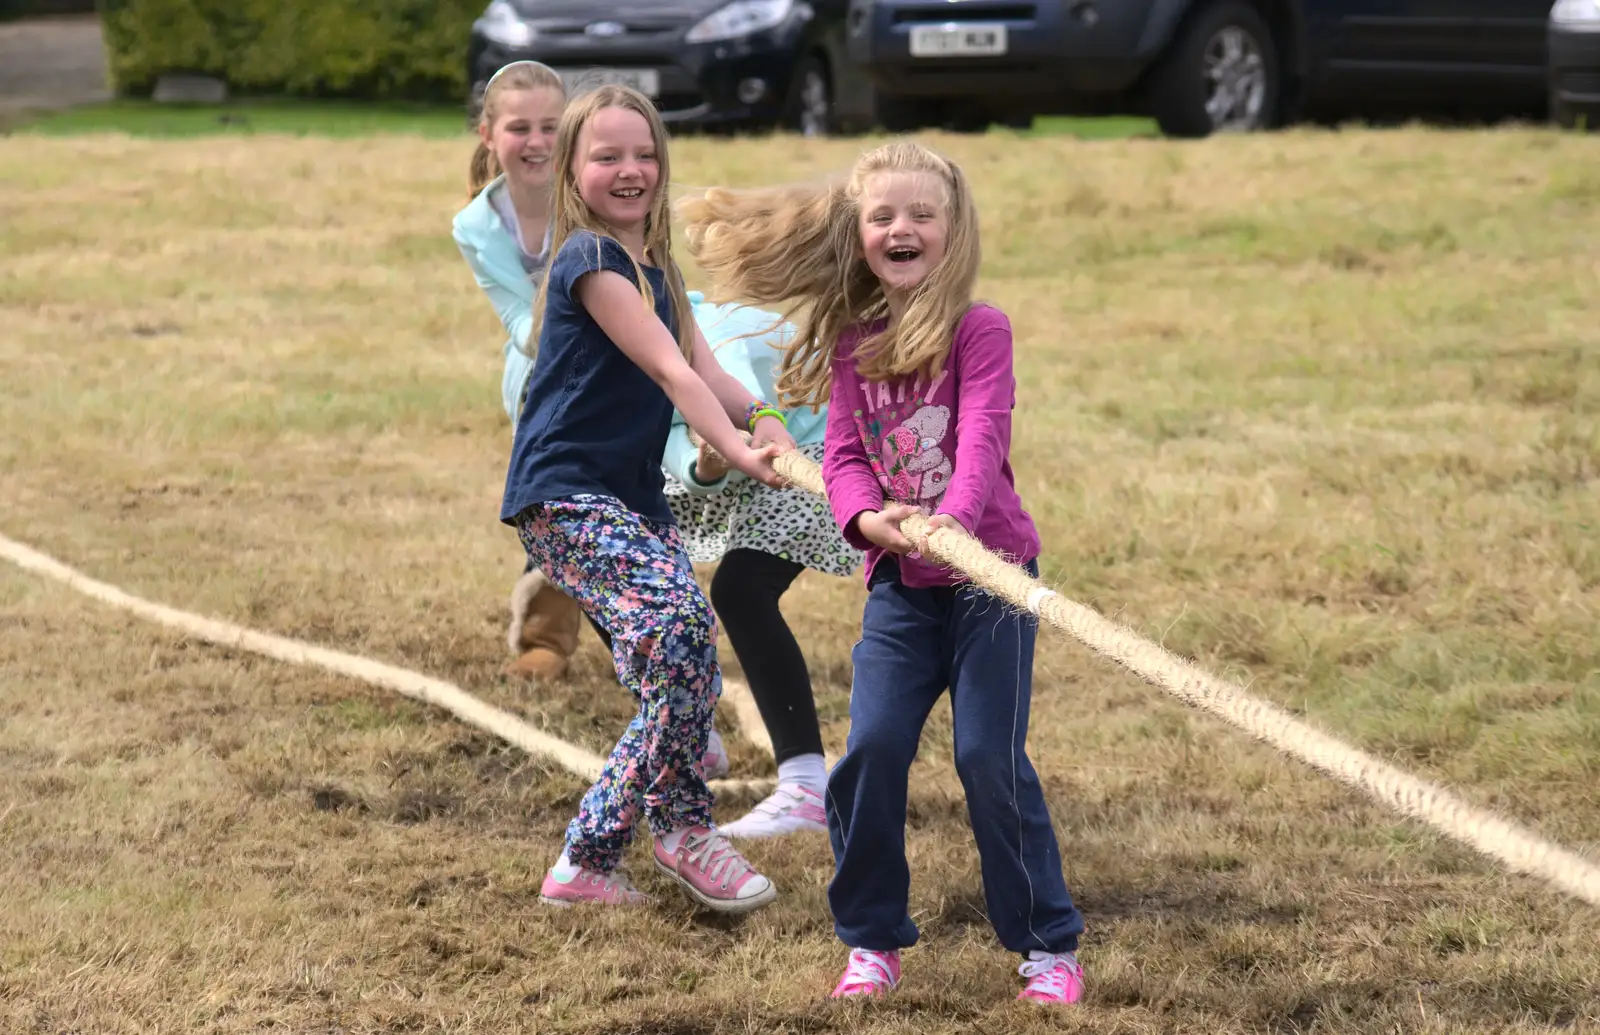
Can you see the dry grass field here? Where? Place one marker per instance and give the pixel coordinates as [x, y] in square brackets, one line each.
[1320, 410]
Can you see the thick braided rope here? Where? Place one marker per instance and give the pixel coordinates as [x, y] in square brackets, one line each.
[1519, 848]
[415, 685]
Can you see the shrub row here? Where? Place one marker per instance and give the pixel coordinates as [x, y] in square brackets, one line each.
[362, 49]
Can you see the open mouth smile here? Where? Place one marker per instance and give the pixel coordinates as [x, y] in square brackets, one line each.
[903, 254]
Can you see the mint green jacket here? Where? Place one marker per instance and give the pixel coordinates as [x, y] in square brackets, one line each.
[496, 263]
[753, 361]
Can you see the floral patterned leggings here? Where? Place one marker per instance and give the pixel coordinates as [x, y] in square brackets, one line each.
[632, 576]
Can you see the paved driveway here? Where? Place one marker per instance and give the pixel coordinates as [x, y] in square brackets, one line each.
[51, 63]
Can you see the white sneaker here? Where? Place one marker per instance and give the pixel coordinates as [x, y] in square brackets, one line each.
[789, 809]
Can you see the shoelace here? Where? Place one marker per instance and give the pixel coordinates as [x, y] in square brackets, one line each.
[719, 860]
[867, 968]
[616, 880]
[1051, 972]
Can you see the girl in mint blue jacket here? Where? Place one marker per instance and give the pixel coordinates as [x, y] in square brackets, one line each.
[760, 538]
[504, 234]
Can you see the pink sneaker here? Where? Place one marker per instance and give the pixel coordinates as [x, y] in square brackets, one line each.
[714, 873]
[1056, 979]
[714, 763]
[790, 808]
[869, 973]
[610, 889]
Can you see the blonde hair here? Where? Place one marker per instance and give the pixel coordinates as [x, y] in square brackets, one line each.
[570, 214]
[519, 75]
[798, 249]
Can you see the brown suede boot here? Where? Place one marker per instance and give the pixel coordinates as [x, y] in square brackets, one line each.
[545, 623]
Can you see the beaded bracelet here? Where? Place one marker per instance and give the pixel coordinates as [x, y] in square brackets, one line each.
[758, 409]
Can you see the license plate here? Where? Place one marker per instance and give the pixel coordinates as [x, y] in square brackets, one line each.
[646, 80]
[957, 40]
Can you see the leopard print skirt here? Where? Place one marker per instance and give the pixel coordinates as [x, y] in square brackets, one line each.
[788, 523]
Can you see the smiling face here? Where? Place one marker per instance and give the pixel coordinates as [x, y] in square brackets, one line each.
[616, 168]
[523, 133]
[903, 228]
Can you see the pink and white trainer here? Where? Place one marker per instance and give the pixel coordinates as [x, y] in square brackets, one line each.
[869, 973]
[1053, 978]
[590, 886]
[789, 809]
[714, 764]
[713, 872]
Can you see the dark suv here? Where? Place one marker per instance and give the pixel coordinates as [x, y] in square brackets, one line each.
[1198, 66]
[706, 63]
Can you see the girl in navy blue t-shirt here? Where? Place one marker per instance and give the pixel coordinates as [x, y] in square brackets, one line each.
[618, 350]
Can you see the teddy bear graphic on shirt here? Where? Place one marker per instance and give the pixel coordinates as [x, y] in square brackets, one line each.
[917, 469]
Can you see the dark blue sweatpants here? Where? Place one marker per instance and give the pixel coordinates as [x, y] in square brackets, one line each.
[914, 644]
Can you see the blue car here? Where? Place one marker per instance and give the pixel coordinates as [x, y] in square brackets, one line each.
[710, 64]
[1199, 66]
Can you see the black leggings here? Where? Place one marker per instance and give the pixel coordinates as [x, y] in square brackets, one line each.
[745, 593]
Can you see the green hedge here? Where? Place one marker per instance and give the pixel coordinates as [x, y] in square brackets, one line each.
[365, 49]
[11, 9]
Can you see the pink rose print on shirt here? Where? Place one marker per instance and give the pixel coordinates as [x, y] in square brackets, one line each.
[919, 472]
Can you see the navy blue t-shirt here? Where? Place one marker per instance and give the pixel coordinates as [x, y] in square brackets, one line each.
[594, 422]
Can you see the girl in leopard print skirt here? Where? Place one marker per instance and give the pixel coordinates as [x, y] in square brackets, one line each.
[761, 539]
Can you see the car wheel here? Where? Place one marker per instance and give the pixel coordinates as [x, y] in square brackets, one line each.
[811, 99]
[1220, 75]
[1562, 114]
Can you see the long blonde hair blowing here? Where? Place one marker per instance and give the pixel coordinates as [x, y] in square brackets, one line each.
[571, 214]
[797, 249]
[519, 75]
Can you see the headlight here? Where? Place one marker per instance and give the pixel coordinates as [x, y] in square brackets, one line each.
[505, 26]
[1583, 15]
[740, 18]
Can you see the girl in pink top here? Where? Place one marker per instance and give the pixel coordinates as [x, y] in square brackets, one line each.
[877, 274]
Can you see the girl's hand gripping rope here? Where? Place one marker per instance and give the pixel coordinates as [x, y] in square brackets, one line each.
[882, 527]
[756, 462]
[771, 430]
[709, 465]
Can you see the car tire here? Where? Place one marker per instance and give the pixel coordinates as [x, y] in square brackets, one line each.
[809, 110]
[1220, 74]
[1562, 114]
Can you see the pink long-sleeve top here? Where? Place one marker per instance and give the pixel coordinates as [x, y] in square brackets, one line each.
[942, 444]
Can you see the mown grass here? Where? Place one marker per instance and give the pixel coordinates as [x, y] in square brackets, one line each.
[344, 120]
[1317, 409]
